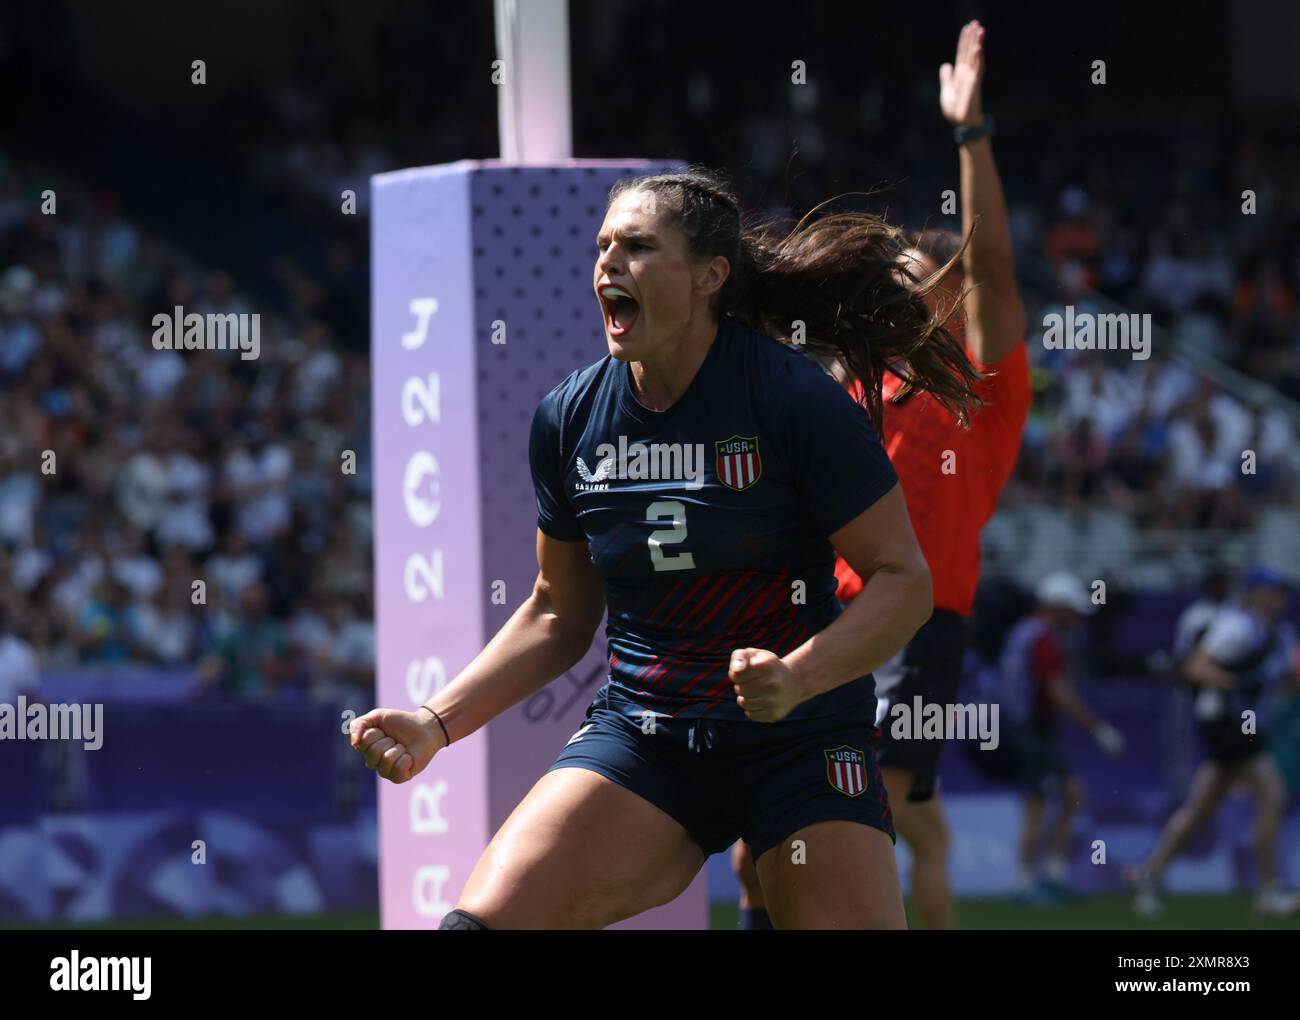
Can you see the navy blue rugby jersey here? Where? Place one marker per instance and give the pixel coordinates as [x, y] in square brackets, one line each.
[702, 518]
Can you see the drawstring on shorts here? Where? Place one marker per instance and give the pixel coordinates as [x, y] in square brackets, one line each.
[700, 736]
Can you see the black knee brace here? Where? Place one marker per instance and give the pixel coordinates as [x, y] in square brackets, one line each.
[459, 920]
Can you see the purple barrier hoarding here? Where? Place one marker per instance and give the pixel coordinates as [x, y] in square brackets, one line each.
[96, 867]
[180, 812]
[123, 683]
[482, 302]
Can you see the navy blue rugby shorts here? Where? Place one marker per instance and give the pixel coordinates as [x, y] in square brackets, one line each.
[729, 779]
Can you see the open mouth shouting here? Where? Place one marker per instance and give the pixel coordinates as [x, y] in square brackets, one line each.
[620, 307]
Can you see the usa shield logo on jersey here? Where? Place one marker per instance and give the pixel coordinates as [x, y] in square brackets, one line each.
[738, 464]
[846, 770]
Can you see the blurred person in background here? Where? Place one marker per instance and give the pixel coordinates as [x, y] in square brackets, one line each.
[142, 485]
[335, 641]
[1195, 620]
[233, 569]
[20, 494]
[1034, 688]
[19, 669]
[1082, 456]
[165, 628]
[1263, 320]
[1246, 652]
[187, 520]
[310, 635]
[257, 478]
[354, 653]
[134, 566]
[1205, 470]
[106, 624]
[249, 654]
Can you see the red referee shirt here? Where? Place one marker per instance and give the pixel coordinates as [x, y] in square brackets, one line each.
[950, 497]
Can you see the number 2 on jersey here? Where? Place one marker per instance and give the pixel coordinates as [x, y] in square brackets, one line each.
[672, 510]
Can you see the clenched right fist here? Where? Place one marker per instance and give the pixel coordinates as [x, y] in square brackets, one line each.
[396, 744]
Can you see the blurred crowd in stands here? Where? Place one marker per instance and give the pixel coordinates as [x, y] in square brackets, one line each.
[172, 467]
[1173, 447]
[128, 474]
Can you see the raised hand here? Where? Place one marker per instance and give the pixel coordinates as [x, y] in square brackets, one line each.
[959, 83]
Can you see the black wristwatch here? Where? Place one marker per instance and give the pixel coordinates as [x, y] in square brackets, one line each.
[964, 133]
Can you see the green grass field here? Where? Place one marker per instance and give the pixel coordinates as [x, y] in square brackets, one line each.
[1216, 913]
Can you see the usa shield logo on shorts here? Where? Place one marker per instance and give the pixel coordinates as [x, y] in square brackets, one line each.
[738, 464]
[846, 770]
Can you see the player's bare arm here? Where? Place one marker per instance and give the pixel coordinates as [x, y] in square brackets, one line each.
[896, 600]
[995, 319]
[1067, 699]
[547, 635]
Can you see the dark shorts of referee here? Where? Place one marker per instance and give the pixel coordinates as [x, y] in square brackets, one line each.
[932, 665]
[729, 779]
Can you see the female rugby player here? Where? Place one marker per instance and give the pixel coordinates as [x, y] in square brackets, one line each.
[740, 701]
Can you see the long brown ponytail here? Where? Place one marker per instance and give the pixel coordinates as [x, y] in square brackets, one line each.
[835, 283]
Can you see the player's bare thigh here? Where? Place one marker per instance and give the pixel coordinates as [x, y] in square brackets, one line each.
[580, 851]
[839, 875]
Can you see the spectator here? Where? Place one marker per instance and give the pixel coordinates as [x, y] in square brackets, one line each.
[19, 674]
[249, 655]
[106, 625]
